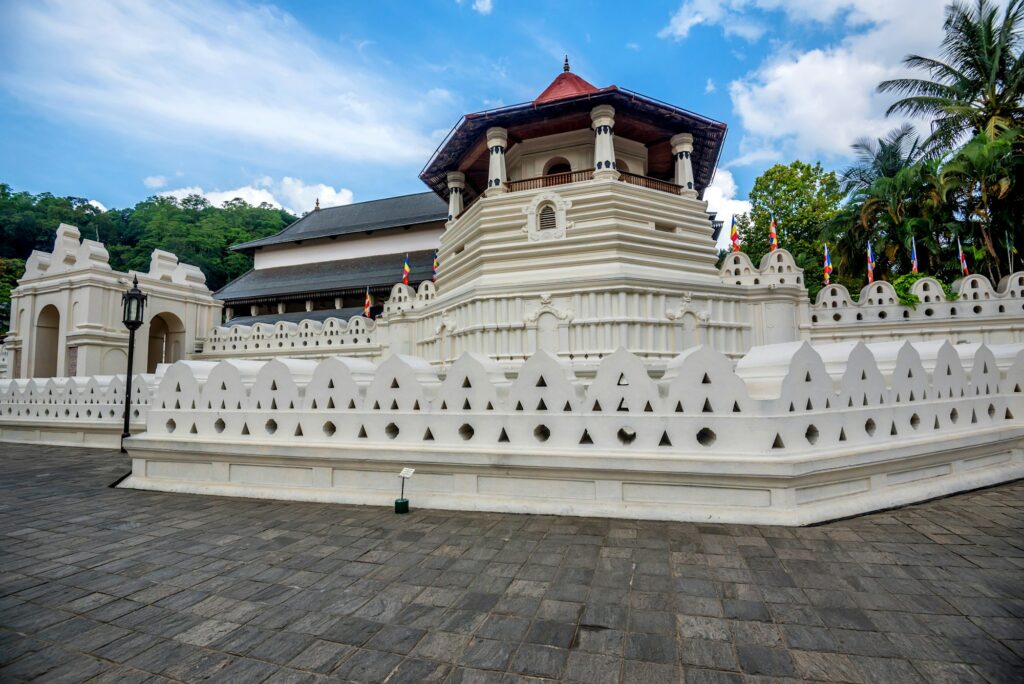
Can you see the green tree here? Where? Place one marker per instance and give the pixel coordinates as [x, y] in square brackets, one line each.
[803, 198]
[977, 84]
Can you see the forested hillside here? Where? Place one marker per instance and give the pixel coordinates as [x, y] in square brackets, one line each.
[192, 228]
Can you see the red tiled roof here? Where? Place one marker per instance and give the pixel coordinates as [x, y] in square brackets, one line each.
[566, 84]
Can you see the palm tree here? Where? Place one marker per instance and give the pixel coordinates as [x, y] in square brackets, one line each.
[881, 158]
[977, 85]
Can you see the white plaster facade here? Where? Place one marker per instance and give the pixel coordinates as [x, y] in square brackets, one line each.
[66, 312]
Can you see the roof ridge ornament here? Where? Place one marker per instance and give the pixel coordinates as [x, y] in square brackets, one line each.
[316, 207]
[565, 64]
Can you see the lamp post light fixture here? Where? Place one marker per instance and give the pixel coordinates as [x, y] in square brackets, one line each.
[134, 303]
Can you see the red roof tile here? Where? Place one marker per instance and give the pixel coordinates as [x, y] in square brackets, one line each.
[566, 84]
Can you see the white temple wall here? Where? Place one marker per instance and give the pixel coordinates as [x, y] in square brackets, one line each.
[398, 243]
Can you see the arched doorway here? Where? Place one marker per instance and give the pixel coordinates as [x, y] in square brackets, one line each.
[46, 342]
[166, 340]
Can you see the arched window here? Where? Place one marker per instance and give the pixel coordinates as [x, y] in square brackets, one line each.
[557, 165]
[546, 217]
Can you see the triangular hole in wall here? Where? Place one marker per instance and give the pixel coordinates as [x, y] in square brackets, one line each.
[864, 401]
[585, 439]
[177, 388]
[679, 407]
[394, 383]
[949, 370]
[792, 408]
[597, 406]
[519, 406]
[735, 407]
[330, 402]
[351, 403]
[665, 441]
[541, 406]
[416, 405]
[376, 406]
[622, 405]
[1016, 389]
[541, 382]
[273, 404]
[223, 406]
[1007, 415]
[503, 437]
[273, 385]
[330, 384]
[705, 380]
[810, 406]
[362, 432]
[851, 402]
[828, 404]
[444, 405]
[291, 404]
[466, 406]
[648, 408]
[428, 436]
[842, 435]
[622, 380]
[911, 397]
[490, 406]
[239, 406]
[863, 375]
[223, 387]
[298, 430]
[177, 404]
[394, 404]
[245, 428]
[892, 430]
[466, 383]
[778, 444]
[193, 430]
[974, 416]
[807, 377]
[312, 405]
[707, 406]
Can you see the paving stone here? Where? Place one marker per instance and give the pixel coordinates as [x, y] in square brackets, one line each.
[540, 661]
[651, 648]
[762, 660]
[708, 653]
[592, 668]
[488, 654]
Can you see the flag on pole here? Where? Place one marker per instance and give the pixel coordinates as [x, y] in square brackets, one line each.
[871, 264]
[828, 265]
[913, 254]
[773, 237]
[963, 259]
[734, 235]
[405, 271]
[434, 274]
[367, 303]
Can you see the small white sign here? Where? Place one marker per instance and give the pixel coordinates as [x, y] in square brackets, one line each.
[407, 472]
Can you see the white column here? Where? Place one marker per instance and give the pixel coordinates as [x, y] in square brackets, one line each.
[682, 149]
[337, 302]
[280, 307]
[602, 120]
[497, 139]
[309, 305]
[456, 184]
[253, 310]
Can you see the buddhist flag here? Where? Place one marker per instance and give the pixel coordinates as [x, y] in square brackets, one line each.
[405, 271]
[734, 235]
[367, 303]
[773, 237]
[828, 265]
[913, 255]
[434, 274]
[963, 259]
[871, 264]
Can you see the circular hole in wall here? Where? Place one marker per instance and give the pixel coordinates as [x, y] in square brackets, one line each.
[271, 426]
[626, 435]
[329, 429]
[171, 426]
[915, 421]
[466, 431]
[812, 434]
[706, 437]
[991, 411]
[391, 430]
[929, 312]
[954, 415]
[870, 427]
[219, 425]
[882, 314]
[542, 433]
[977, 309]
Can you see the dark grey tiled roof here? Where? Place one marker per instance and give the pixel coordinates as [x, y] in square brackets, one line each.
[298, 316]
[328, 277]
[390, 212]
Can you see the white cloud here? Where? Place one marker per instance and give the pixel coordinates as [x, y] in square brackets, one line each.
[721, 199]
[709, 87]
[154, 181]
[693, 13]
[635, 47]
[289, 193]
[483, 6]
[99, 205]
[209, 71]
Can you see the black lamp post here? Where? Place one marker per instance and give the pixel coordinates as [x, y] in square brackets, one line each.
[134, 303]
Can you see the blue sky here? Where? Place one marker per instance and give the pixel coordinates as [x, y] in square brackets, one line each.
[288, 101]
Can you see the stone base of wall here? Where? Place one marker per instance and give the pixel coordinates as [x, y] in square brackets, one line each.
[795, 490]
[65, 433]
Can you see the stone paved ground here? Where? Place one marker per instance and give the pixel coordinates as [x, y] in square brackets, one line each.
[113, 585]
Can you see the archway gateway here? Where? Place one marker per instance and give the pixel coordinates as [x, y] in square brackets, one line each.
[47, 343]
[166, 340]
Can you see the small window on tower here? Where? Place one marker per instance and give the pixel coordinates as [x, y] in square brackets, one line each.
[547, 218]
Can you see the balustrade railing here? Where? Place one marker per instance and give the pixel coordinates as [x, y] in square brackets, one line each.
[648, 182]
[576, 176]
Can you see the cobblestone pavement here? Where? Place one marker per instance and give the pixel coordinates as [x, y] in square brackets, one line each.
[100, 584]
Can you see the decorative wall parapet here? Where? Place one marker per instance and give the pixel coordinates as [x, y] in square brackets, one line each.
[405, 298]
[777, 268]
[783, 449]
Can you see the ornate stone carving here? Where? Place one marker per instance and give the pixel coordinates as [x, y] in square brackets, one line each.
[532, 211]
[546, 306]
